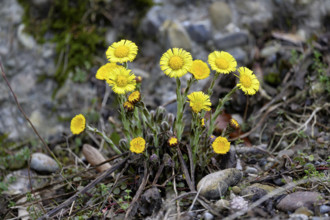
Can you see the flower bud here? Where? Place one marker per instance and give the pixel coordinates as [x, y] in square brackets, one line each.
[123, 144]
[128, 106]
[172, 141]
[164, 126]
[138, 79]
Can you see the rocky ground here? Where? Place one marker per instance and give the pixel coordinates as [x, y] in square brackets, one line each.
[278, 169]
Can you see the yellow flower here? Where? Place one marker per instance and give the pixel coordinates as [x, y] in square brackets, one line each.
[199, 69]
[104, 71]
[121, 80]
[122, 51]
[128, 106]
[137, 145]
[173, 141]
[134, 97]
[175, 62]
[203, 122]
[78, 124]
[199, 101]
[221, 145]
[233, 123]
[222, 62]
[248, 82]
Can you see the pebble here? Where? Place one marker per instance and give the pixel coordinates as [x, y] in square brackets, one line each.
[224, 42]
[199, 32]
[222, 204]
[324, 209]
[214, 185]
[238, 203]
[43, 163]
[174, 35]
[236, 190]
[288, 153]
[220, 14]
[94, 157]
[304, 210]
[295, 200]
[298, 217]
[251, 170]
[208, 216]
[256, 190]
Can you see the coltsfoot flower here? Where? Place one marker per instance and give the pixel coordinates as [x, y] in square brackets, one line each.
[175, 62]
[200, 69]
[221, 145]
[233, 123]
[122, 51]
[134, 97]
[78, 124]
[128, 106]
[199, 101]
[172, 141]
[222, 62]
[248, 82]
[104, 71]
[137, 145]
[122, 80]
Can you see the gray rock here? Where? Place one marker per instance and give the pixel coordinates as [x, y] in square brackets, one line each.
[220, 14]
[251, 170]
[110, 36]
[287, 153]
[324, 209]
[152, 21]
[298, 217]
[216, 184]
[238, 203]
[256, 190]
[224, 42]
[174, 35]
[239, 54]
[43, 163]
[295, 200]
[222, 204]
[18, 182]
[199, 32]
[208, 216]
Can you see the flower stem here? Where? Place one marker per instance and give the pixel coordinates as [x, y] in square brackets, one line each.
[124, 119]
[219, 109]
[108, 140]
[178, 126]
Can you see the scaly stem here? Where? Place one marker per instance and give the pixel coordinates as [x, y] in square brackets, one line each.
[178, 126]
[104, 136]
[125, 121]
[218, 110]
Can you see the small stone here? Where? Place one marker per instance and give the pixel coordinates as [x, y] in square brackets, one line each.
[222, 204]
[324, 209]
[25, 39]
[208, 216]
[295, 200]
[174, 35]
[224, 42]
[43, 163]
[286, 153]
[214, 185]
[304, 210]
[251, 170]
[298, 217]
[94, 157]
[220, 14]
[236, 190]
[152, 21]
[238, 203]
[199, 32]
[256, 190]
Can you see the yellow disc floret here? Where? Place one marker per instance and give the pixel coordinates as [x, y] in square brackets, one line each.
[222, 62]
[248, 82]
[175, 62]
[137, 145]
[221, 145]
[199, 69]
[199, 101]
[122, 51]
[78, 124]
[122, 80]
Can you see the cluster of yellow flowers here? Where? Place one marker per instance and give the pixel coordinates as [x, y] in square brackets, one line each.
[175, 63]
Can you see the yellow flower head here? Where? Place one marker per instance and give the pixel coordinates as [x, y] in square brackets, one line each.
[199, 101]
[221, 145]
[176, 62]
[222, 62]
[200, 69]
[78, 124]
[173, 141]
[122, 51]
[122, 80]
[203, 123]
[128, 106]
[233, 123]
[134, 97]
[248, 82]
[137, 145]
[104, 71]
